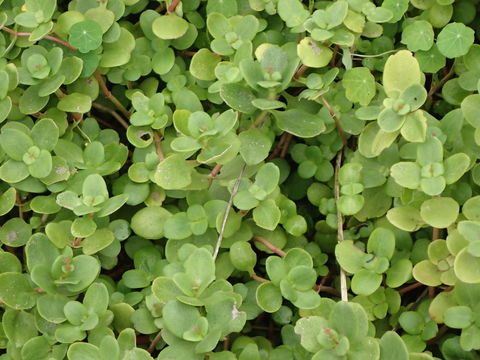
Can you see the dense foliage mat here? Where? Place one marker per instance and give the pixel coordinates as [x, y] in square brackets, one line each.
[251, 180]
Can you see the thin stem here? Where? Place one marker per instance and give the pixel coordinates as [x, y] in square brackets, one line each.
[227, 212]
[439, 335]
[269, 246]
[48, 37]
[300, 71]
[110, 96]
[410, 288]
[215, 171]
[340, 236]
[327, 289]
[155, 341]
[438, 86]
[337, 121]
[188, 52]
[158, 148]
[285, 145]
[435, 233]
[173, 6]
[260, 119]
[112, 112]
[278, 148]
[19, 204]
[258, 278]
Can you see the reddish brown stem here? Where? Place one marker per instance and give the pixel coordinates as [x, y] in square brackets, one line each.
[259, 278]
[19, 204]
[215, 170]
[188, 52]
[327, 289]
[278, 148]
[410, 288]
[300, 71]
[154, 342]
[48, 37]
[435, 233]
[439, 335]
[269, 246]
[110, 96]
[431, 292]
[285, 145]
[173, 6]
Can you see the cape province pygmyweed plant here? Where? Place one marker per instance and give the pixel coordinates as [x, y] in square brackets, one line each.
[239, 179]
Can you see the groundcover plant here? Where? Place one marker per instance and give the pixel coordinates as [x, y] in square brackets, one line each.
[251, 179]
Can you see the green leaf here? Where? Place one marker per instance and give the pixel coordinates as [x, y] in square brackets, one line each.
[242, 256]
[7, 200]
[292, 12]
[466, 267]
[439, 212]
[173, 173]
[470, 107]
[85, 35]
[83, 351]
[458, 317]
[455, 166]
[401, 70]
[269, 297]
[349, 256]
[455, 40]
[238, 97]
[149, 222]
[15, 143]
[299, 123]
[418, 35]
[98, 241]
[405, 218]
[313, 54]
[366, 282]
[179, 318]
[255, 146]
[75, 102]
[406, 174]
[359, 84]
[94, 190]
[16, 291]
[169, 26]
[203, 65]
[392, 347]
[15, 232]
[267, 215]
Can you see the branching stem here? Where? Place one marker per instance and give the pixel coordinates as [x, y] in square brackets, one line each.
[337, 120]
[48, 37]
[269, 246]
[107, 93]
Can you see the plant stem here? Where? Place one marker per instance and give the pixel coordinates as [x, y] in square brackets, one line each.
[258, 278]
[260, 119]
[214, 172]
[158, 148]
[173, 6]
[327, 289]
[300, 71]
[410, 288]
[343, 276]
[112, 112]
[110, 96]
[438, 86]
[155, 341]
[285, 145]
[337, 121]
[19, 204]
[48, 37]
[269, 246]
[227, 212]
